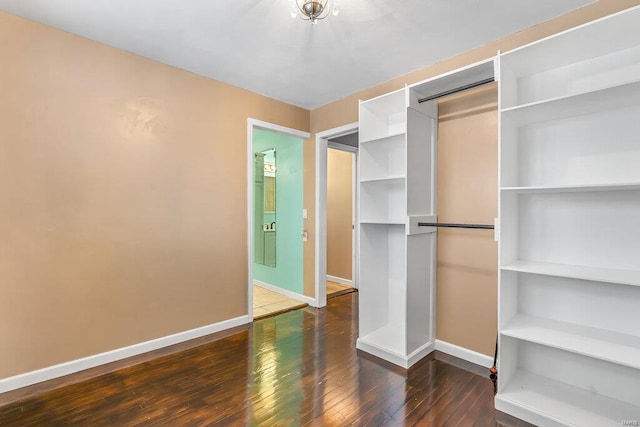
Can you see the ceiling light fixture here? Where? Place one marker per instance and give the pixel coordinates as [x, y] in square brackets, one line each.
[313, 10]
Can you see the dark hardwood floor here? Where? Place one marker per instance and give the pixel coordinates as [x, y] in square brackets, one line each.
[298, 368]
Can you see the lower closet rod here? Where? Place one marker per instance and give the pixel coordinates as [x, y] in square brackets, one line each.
[442, 224]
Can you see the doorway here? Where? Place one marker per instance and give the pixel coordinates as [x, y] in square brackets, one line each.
[336, 212]
[274, 214]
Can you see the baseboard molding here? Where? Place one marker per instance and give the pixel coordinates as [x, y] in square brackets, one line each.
[464, 353]
[420, 352]
[56, 371]
[340, 280]
[311, 301]
[393, 357]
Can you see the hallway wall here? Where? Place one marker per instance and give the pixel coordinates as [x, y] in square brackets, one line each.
[339, 213]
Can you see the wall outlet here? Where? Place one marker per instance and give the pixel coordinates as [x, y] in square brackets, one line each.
[304, 213]
[305, 236]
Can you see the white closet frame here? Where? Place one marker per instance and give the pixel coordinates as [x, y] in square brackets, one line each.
[397, 173]
[569, 281]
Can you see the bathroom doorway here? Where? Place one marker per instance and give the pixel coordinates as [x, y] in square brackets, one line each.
[275, 188]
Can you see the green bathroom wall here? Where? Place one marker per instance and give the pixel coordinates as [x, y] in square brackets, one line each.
[287, 274]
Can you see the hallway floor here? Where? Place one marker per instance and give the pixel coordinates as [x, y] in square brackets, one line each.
[335, 289]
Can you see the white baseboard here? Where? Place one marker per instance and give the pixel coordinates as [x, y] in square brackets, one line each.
[404, 361]
[56, 371]
[420, 352]
[464, 353]
[303, 298]
[340, 280]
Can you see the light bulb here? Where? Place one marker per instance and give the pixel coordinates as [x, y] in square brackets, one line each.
[335, 10]
[314, 21]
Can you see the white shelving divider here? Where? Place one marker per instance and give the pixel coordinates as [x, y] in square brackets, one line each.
[569, 283]
[397, 159]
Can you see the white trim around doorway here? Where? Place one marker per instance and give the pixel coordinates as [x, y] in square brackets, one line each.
[322, 145]
[251, 125]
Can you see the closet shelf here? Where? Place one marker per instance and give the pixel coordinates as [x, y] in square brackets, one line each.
[597, 343]
[607, 275]
[387, 338]
[569, 405]
[387, 221]
[569, 48]
[572, 188]
[398, 179]
[387, 138]
[610, 98]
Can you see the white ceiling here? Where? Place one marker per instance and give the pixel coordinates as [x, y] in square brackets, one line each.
[256, 45]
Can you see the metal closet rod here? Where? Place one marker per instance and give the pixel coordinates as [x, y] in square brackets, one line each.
[448, 225]
[456, 90]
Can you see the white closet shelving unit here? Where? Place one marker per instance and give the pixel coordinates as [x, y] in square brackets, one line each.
[397, 155]
[569, 291]
[392, 282]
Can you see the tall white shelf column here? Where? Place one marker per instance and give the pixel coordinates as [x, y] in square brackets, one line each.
[569, 291]
[395, 266]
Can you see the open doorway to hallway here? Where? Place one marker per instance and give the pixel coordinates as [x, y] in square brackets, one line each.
[343, 177]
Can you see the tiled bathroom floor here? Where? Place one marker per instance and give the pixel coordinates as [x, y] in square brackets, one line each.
[267, 303]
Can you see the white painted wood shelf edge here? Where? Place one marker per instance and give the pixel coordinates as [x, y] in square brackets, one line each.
[565, 404]
[623, 186]
[397, 179]
[606, 275]
[614, 97]
[600, 344]
[386, 138]
[382, 221]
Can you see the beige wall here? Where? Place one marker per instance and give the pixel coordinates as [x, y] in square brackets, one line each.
[122, 197]
[339, 213]
[467, 263]
[345, 111]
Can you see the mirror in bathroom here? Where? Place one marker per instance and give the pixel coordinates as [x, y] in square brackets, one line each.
[265, 207]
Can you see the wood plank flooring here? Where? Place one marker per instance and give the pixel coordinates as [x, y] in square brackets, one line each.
[297, 368]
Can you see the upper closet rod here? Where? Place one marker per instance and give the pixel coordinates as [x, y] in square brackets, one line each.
[456, 90]
[442, 224]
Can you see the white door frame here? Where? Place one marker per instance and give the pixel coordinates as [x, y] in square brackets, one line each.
[321, 209]
[251, 125]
